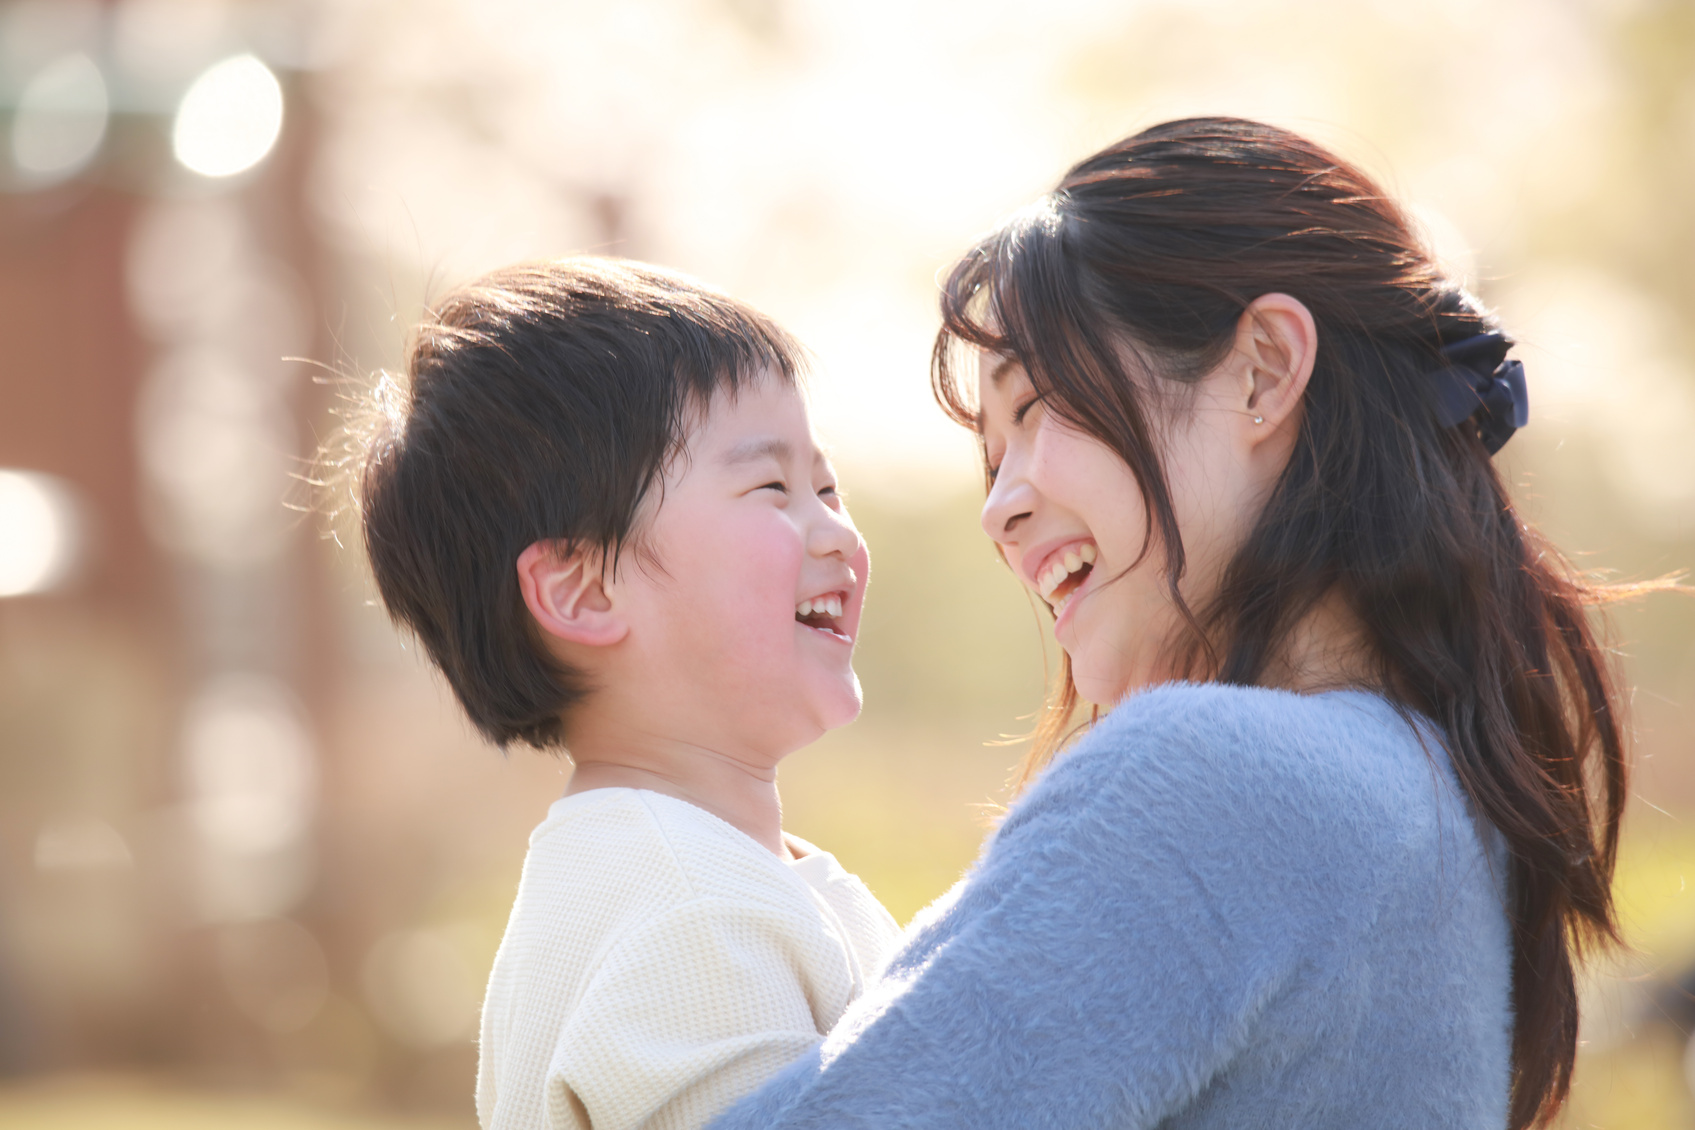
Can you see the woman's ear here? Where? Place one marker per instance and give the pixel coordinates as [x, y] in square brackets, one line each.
[1276, 343]
[566, 595]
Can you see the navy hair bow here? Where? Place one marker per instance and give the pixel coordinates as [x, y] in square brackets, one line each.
[1478, 378]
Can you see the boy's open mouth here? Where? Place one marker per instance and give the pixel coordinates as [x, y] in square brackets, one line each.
[824, 613]
[1065, 574]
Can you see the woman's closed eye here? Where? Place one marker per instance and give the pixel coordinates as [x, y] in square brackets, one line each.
[1023, 410]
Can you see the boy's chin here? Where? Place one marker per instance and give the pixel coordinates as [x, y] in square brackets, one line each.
[840, 703]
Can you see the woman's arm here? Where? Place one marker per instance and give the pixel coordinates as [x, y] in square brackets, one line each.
[1114, 949]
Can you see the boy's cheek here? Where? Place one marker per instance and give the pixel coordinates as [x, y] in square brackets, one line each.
[860, 563]
[733, 589]
[758, 609]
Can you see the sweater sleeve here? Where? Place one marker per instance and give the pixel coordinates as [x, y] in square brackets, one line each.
[1111, 952]
[690, 1012]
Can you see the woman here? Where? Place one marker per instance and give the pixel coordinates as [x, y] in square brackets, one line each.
[1348, 806]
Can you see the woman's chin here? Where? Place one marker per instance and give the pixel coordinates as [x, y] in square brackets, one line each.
[1101, 687]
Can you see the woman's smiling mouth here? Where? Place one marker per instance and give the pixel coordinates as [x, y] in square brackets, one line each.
[1065, 573]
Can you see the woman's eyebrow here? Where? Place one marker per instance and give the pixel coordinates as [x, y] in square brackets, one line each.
[760, 447]
[998, 373]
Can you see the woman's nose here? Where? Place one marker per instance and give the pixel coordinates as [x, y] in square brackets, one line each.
[1011, 500]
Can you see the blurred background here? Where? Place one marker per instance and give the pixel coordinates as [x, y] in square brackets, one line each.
[254, 866]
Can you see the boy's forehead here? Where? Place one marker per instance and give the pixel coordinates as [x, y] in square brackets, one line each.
[764, 420]
[751, 449]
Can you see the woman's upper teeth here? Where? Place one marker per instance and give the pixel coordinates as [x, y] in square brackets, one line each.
[1064, 565]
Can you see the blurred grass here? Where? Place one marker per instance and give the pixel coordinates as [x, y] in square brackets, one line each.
[1631, 1073]
[1639, 1087]
[133, 1102]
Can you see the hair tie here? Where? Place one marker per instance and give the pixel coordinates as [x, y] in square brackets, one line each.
[1479, 378]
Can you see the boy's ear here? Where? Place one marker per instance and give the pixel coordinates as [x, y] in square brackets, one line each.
[563, 591]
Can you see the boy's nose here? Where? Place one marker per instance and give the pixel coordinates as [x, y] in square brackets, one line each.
[834, 534]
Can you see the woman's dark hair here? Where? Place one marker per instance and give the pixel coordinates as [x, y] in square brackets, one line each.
[539, 403]
[1145, 258]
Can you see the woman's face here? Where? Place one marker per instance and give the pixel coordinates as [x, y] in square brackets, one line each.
[1069, 516]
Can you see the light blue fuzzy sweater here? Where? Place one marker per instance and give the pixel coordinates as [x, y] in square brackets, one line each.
[1225, 907]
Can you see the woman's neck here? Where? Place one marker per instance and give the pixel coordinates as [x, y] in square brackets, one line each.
[1326, 650]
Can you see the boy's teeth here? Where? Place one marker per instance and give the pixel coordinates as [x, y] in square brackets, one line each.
[1087, 553]
[1072, 562]
[829, 605]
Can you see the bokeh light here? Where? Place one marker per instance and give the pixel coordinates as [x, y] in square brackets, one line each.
[81, 843]
[61, 118]
[275, 971]
[229, 119]
[40, 532]
[421, 988]
[216, 448]
[252, 791]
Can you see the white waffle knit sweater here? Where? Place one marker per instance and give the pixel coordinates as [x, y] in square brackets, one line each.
[660, 964]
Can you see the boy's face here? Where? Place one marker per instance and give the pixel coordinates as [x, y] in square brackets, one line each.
[744, 601]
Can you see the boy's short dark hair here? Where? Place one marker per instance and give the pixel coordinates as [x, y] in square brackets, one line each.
[541, 402]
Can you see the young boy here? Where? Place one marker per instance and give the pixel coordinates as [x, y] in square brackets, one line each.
[601, 508]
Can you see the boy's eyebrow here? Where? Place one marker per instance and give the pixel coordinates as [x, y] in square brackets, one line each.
[752, 450]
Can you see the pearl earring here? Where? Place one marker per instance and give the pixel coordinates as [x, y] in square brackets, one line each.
[1259, 419]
